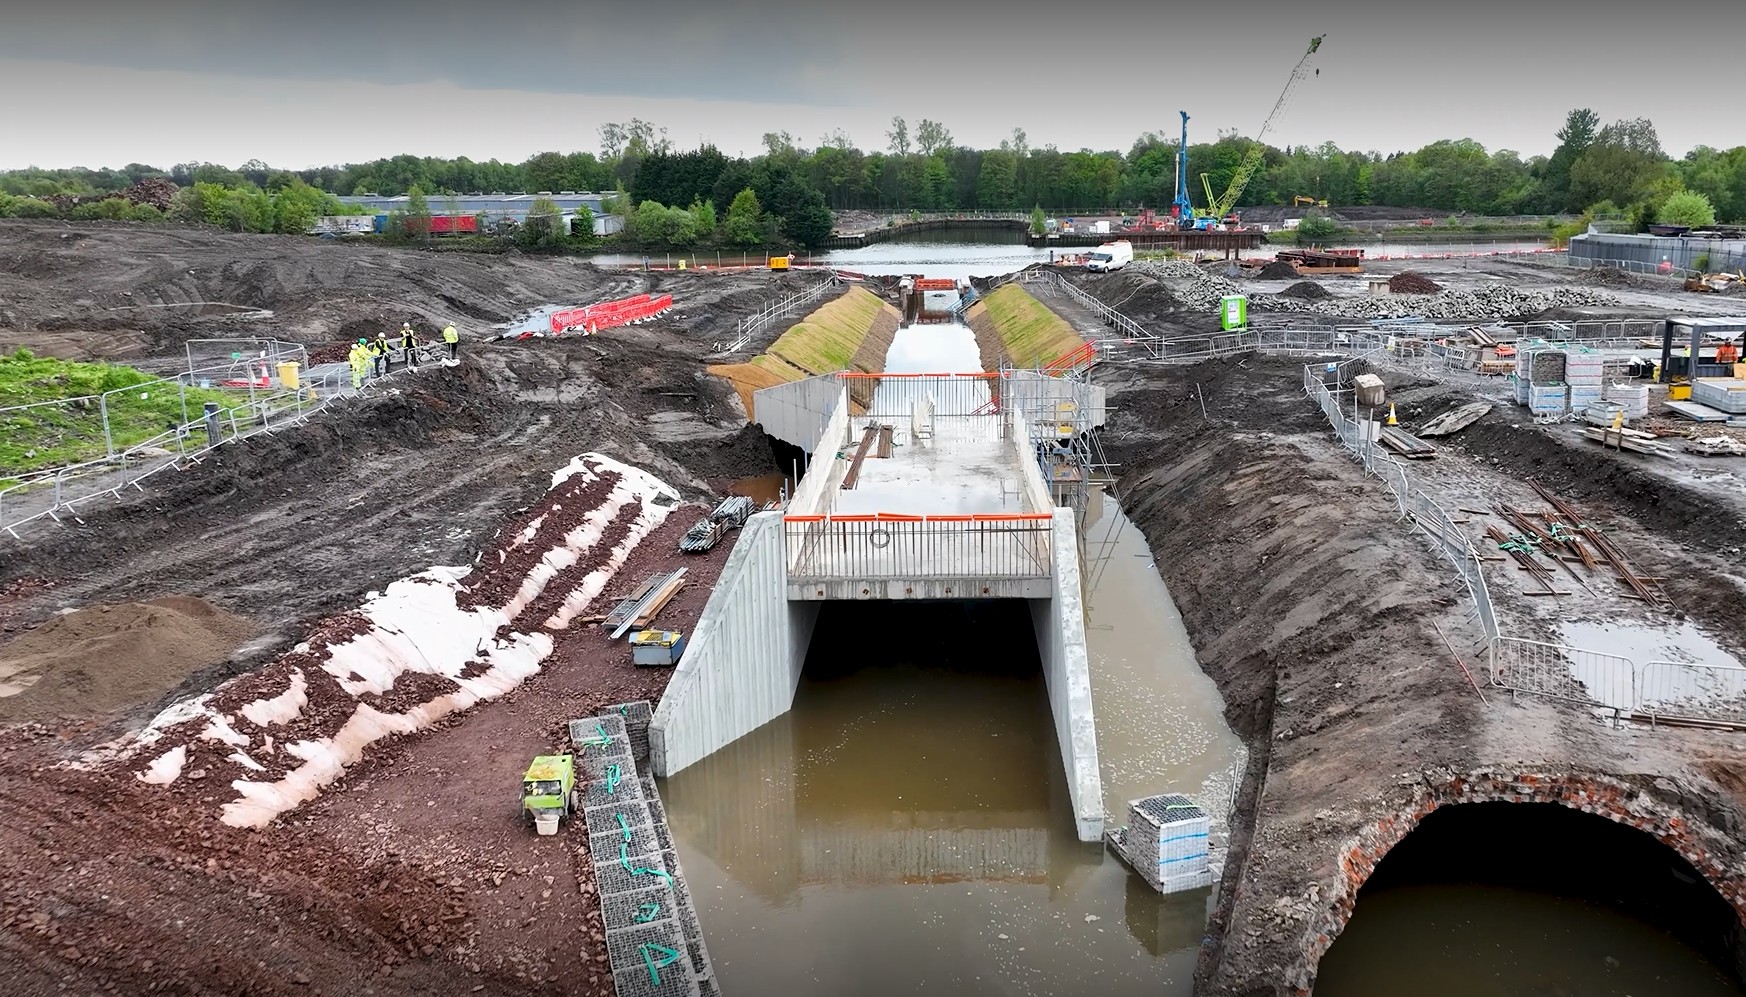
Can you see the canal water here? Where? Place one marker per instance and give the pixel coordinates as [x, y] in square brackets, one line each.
[906, 828]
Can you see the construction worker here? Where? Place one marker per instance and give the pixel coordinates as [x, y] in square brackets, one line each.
[360, 359]
[379, 353]
[1727, 353]
[409, 345]
[453, 338]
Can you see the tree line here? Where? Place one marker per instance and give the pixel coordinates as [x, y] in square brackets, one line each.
[1619, 169]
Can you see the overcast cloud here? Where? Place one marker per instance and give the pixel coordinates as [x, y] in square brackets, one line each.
[322, 82]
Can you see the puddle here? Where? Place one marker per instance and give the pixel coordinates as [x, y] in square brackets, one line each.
[763, 488]
[1684, 643]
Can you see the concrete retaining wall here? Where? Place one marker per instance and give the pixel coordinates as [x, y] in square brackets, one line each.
[819, 485]
[800, 413]
[1060, 626]
[1036, 490]
[743, 659]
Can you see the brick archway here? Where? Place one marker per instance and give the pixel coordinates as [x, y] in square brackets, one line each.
[1707, 848]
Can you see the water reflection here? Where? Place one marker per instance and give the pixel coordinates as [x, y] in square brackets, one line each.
[906, 828]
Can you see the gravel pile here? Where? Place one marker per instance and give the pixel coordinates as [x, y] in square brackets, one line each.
[1484, 303]
[1193, 287]
[1306, 290]
[1198, 290]
[1277, 270]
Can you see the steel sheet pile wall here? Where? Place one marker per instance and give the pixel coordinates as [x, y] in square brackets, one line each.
[1060, 626]
[653, 937]
[743, 660]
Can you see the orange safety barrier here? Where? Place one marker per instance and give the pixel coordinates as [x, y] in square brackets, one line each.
[608, 314]
[895, 517]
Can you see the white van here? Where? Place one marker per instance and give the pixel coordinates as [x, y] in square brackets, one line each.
[1110, 256]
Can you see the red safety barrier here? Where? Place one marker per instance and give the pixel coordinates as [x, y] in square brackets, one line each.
[609, 314]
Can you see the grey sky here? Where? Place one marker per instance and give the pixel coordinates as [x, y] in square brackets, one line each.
[323, 82]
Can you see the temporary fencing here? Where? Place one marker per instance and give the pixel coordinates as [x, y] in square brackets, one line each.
[173, 413]
[610, 314]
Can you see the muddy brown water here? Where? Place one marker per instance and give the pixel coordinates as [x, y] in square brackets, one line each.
[1458, 940]
[906, 827]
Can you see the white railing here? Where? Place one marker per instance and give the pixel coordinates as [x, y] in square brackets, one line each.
[748, 328]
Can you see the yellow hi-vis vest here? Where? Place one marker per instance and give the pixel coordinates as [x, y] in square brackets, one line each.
[450, 335]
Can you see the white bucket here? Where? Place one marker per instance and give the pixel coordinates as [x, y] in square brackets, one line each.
[546, 824]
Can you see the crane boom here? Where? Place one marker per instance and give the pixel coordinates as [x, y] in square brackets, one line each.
[1251, 162]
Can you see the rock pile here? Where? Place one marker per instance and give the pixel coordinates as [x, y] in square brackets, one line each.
[1192, 285]
[1306, 290]
[1277, 270]
[1198, 290]
[1483, 303]
[1412, 283]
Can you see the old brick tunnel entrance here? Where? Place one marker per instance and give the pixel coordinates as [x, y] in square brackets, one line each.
[1645, 852]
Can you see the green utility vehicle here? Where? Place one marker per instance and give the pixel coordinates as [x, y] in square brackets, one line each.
[548, 792]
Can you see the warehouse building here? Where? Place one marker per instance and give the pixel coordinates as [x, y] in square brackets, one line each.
[496, 207]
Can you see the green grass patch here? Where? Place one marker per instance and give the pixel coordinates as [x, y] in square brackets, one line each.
[1031, 333]
[70, 432]
[826, 340]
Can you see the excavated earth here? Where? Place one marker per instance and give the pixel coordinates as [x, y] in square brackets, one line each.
[412, 873]
[1316, 609]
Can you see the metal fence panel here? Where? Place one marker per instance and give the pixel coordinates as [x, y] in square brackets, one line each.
[1683, 689]
[1594, 678]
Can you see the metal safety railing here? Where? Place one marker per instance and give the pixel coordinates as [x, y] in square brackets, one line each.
[1684, 690]
[1591, 678]
[894, 396]
[752, 326]
[897, 547]
[262, 406]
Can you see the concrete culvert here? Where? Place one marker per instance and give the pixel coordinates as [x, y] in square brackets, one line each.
[1533, 898]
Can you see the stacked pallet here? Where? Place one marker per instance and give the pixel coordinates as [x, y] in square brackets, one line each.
[1632, 398]
[1584, 372]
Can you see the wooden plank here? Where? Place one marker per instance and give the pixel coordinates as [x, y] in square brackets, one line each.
[867, 438]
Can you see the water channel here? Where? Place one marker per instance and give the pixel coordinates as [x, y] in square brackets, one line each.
[906, 827]
[965, 253]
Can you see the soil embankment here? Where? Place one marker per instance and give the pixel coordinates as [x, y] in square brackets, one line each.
[1313, 607]
[411, 871]
[1014, 329]
[850, 332]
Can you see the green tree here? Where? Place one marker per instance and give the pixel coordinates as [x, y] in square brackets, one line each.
[582, 226]
[1574, 139]
[543, 227]
[1622, 165]
[1039, 223]
[1686, 207]
[417, 217]
[745, 220]
[703, 218]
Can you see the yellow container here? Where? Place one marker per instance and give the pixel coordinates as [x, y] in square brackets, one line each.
[778, 262]
[1678, 392]
[288, 375]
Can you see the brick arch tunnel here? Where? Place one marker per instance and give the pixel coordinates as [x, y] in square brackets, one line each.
[1650, 850]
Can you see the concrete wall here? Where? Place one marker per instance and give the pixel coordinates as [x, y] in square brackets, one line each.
[799, 413]
[742, 661]
[1038, 498]
[819, 485]
[1060, 626]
